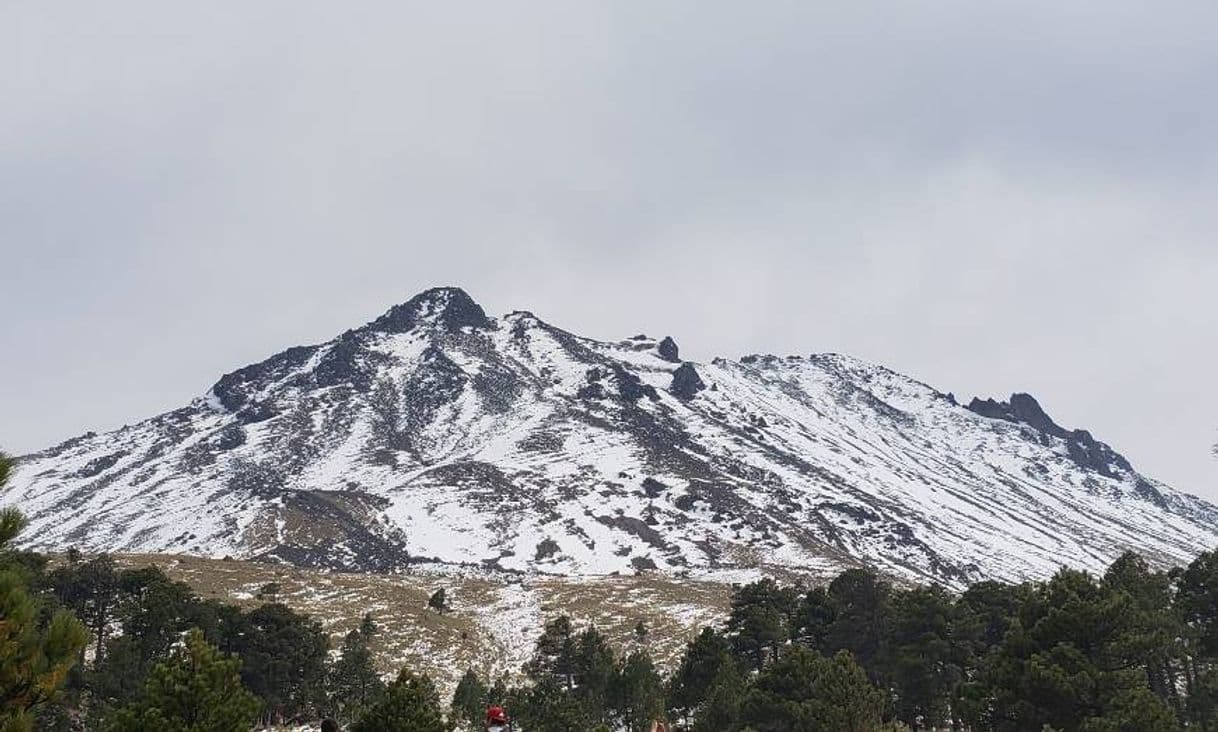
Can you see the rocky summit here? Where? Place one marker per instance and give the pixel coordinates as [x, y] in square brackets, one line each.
[439, 436]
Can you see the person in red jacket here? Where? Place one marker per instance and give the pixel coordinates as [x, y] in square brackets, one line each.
[497, 719]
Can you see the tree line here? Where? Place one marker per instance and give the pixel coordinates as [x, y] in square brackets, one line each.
[131, 649]
[86, 645]
[1132, 650]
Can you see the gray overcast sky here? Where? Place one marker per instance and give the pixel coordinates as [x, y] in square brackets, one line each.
[988, 196]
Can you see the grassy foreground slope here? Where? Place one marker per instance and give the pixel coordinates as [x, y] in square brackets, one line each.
[492, 620]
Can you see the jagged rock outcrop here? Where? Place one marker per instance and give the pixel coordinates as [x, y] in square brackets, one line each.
[686, 383]
[1083, 449]
[668, 350]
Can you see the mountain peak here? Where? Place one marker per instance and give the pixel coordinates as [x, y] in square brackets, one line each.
[449, 307]
[518, 446]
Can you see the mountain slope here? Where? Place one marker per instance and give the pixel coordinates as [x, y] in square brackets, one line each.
[436, 434]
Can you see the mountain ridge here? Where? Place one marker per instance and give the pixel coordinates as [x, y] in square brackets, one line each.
[437, 435]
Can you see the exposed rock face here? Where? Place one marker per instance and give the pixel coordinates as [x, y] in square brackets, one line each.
[1083, 449]
[668, 350]
[626, 386]
[653, 488]
[230, 437]
[438, 435]
[686, 383]
[233, 390]
[98, 465]
[256, 412]
[347, 362]
[631, 388]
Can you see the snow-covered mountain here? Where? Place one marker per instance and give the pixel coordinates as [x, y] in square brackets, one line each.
[437, 434]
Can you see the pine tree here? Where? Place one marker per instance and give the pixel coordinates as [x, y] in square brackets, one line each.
[554, 653]
[700, 666]
[922, 658]
[1065, 662]
[90, 589]
[1156, 635]
[35, 658]
[410, 704]
[119, 679]
[861, 615]
[724, 697]
[152, 612]
[846, 699]
[284, 655]
[593, 672]
[1196, 607]
[354, 683]
[637, 692]
[438, 600]
[197, 690]
[152, 608]
[470, 698]
[497, 693]
[987, 610]
[805, 692]
[12, 522]
[548, 706]
[760, 621]
[571, 675]
[641, 632]
[814, 618]
[36, 653]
